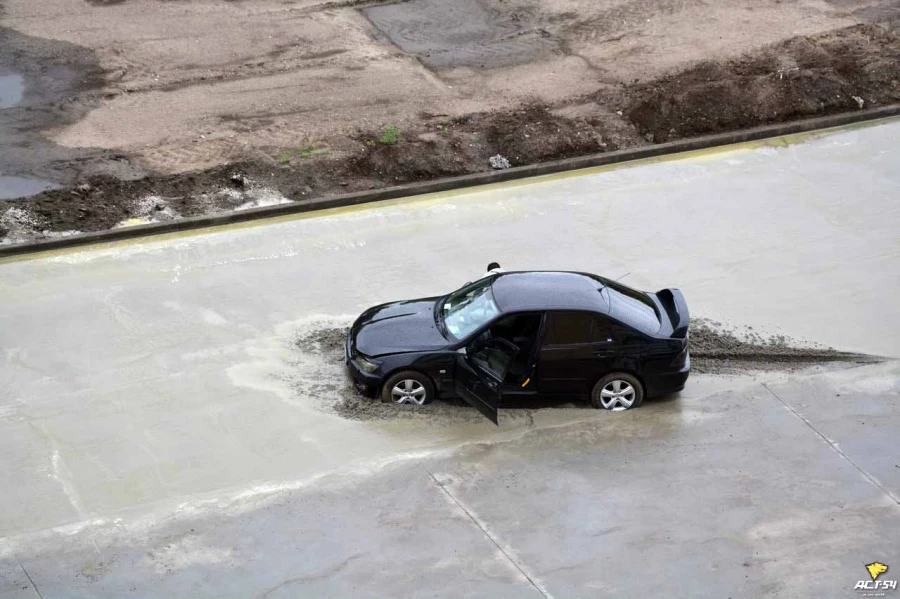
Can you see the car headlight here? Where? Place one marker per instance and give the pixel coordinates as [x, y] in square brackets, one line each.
[366, 364]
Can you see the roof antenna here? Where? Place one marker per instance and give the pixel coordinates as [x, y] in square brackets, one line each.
[605, 285]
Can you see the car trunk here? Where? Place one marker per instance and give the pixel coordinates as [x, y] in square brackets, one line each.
[676, 310]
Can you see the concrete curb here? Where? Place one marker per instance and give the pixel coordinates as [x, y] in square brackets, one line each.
[389, 193]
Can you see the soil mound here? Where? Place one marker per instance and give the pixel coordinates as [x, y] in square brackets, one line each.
[534, 134]
[843, 70]
[410, 161]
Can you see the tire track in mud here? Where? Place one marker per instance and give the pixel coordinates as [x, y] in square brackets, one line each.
[319, 370]
[319, 375]
[719, 349]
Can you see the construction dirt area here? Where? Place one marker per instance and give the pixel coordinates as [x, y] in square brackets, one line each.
[118, 112]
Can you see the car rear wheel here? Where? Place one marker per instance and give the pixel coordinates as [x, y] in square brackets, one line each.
[408, 387]
[617, 392]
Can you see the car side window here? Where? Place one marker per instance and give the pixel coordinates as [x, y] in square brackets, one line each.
[568, 328]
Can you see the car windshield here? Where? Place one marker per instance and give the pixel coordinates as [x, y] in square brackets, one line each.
[466, 310]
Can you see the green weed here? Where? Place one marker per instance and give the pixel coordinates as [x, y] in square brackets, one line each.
[305, 151]
[391, 136]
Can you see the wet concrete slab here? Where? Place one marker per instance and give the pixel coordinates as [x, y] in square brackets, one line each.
[704, 498]
[719, 495]
[14, 582]
[860, 417]
[394, 535]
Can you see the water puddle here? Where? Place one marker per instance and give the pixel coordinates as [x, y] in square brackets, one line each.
[19, 187]
[11, 89]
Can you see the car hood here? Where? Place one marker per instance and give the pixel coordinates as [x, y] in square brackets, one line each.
[398, 327]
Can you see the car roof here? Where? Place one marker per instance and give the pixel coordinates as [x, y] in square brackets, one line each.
[548, 290]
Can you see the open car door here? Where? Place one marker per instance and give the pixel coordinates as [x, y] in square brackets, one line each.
[479, 372]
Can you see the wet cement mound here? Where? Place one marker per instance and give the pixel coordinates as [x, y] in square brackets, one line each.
[717, 349]
[839, 71]
[320, 374]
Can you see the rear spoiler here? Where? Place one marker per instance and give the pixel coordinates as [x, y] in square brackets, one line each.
[677, 310]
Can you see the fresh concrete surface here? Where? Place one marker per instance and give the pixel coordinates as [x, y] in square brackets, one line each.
[147, 390]
[858, 415]
[729, 495]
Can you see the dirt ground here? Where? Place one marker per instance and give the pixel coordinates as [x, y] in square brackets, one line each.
[143, 110]
[837, 71]
[717, 349]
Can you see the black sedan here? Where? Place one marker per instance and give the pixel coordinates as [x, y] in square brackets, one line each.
[515, 335]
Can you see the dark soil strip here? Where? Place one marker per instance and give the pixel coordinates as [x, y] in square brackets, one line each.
[838, 71]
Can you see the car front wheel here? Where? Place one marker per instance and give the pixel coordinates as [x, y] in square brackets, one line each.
[617, 392]
[408, 387]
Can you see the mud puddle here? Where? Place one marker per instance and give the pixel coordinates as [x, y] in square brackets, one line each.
[445, 34]
[715, 350]
[321, 375]
[20, 187]
[11, 89]
[45, 84]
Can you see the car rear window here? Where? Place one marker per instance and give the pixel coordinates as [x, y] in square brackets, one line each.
[633, 308]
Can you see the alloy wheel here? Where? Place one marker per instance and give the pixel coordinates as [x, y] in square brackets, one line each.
[617, 395]
[409, 391]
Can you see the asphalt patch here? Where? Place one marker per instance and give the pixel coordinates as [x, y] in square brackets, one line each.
[469, 33]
